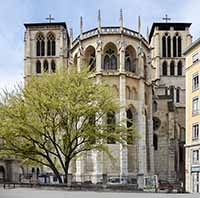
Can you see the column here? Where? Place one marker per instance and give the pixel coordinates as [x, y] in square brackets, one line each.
[157, 54]
[141, 143]
[59, 51]
[122, 114]
[27, 54]
[98, 56]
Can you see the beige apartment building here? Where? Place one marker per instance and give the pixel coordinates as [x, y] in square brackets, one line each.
[192, 172]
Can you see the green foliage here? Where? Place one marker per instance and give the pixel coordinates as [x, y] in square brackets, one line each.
[58, 116]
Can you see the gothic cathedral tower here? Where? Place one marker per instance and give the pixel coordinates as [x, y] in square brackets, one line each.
[46, 48]
[168, 41]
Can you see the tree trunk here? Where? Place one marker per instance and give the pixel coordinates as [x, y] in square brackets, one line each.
[66, 171]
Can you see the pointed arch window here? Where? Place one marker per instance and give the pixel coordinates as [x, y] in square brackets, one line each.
[164, 69]
[40, 49]
[172, 69]
[92, 62]
[178, 95]
[169, 46]
[155, 141]
[129, 124]
[38, 67]
[110, 60]
[174, 47]
[51, 44]
[171, 90]
[45, 66]
[130, 59]
[53, 66]
[179, 47]
[164, 46]
[111, 121]
[179, 69]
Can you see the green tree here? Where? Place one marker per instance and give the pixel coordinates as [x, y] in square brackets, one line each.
[55, 118]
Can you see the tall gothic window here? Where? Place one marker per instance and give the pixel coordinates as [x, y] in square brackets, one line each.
[179, 47]
[53, 66]
[90, 58]
[110, 57]
[164, 68]
[171, 90]
[172, 69]
[164, 46]
[179, 68]
[45, 66]
[38, 67]
[178, 95]
[174, 47]
[129, 124]
[169, 46]
[111, 126]
[51, 44]
[40, 45]
[130, 59]
[155, 141]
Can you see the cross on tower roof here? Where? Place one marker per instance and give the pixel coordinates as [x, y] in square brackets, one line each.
[50, 18]
[166, 18]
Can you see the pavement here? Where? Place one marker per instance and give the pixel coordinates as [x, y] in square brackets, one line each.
[42, 193]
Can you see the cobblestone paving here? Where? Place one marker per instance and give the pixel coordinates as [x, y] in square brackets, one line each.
[37, 193]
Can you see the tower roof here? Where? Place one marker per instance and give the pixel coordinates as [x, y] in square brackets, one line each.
[45, 24]
[166, 26]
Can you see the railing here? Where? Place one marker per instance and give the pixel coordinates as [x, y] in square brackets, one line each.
[109, 30]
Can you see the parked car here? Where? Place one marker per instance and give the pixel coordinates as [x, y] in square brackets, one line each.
[169, 187]
[117, 180]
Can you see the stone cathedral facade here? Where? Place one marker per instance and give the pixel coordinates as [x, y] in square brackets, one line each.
[147, 78]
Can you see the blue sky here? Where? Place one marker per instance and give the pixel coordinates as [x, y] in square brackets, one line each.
[14, 13]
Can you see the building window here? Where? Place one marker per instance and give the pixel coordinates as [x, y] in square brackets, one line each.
[195, 57]
[164, 69]
[171, 91]
[178, 95]
[169, 46]
[174, 47]
[40, 49]
[38, 67]
[177, 46]
[53, 66]
[155, 106]
[195, 105]
[155, 141]
[195, 81]
[172, 69]
[180, 68]
[110, 57]
[111, 127]
[129, 124]
[130, 59]
[51, 45]
[46, 66]
[195, 156]
[195, 131]
[164, 46]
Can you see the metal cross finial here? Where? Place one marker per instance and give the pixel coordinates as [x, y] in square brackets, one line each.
[166, 18]
[50, 18]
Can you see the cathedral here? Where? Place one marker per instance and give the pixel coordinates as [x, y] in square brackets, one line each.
[147, 77]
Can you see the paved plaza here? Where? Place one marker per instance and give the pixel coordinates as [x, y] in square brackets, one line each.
[37, 193]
